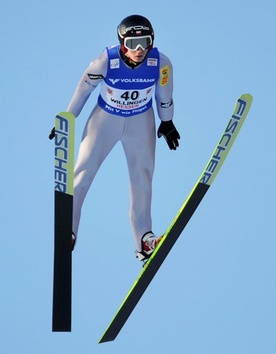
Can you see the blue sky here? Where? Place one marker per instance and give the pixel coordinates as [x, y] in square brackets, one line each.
[215, 293]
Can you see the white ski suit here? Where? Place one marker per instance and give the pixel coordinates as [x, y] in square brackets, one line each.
[123, 113]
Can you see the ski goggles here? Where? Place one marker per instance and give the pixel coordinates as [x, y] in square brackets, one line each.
[133, 43]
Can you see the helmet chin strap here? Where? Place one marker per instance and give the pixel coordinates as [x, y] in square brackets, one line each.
[123, 48]
[127, 60]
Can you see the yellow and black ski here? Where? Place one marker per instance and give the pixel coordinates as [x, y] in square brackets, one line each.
[207, 177]
[64, 167]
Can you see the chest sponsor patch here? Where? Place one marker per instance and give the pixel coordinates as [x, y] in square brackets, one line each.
[115, 63]
[152, 62]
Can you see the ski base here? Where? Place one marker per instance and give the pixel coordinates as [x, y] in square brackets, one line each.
[62, 263]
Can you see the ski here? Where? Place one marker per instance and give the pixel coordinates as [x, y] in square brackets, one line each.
[205, 180]
[63, 188]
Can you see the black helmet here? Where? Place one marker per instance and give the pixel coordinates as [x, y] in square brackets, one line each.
[136, 26]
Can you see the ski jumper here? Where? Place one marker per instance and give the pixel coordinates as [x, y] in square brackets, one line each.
[123, 113]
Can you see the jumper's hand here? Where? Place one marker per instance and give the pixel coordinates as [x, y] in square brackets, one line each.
[171, 135]
[52, 134]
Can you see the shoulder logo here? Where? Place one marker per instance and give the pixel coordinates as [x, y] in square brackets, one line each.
[95, 76]
[165, 73]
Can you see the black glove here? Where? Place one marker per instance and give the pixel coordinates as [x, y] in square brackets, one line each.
[168, 130]
[52, 134]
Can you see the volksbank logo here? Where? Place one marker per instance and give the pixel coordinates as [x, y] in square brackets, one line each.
[225, 142]
[135, 80]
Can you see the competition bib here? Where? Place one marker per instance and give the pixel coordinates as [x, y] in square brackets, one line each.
[125, 102]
